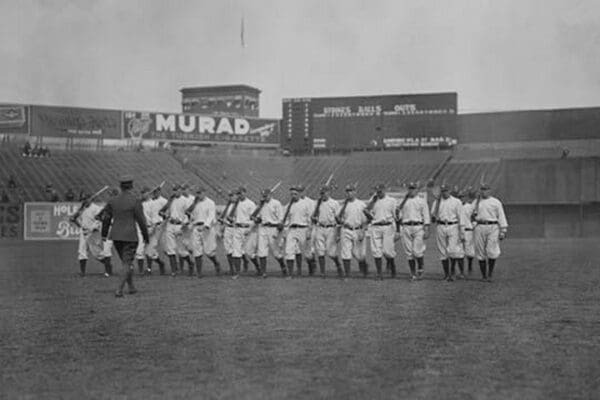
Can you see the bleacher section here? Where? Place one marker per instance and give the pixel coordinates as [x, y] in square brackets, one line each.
[87, 170]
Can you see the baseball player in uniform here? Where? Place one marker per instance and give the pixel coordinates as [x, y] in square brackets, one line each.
[491, 227]
[309, 245]
[325, 233]
[202, 214]
[121, 215]
[227, 227]
[155, 229]
[447, 213]
[297, 220]
[352, 235]
[467, 199]
[415, 221]
[140, 252]
[86, 218]
[268, 219]
[382, 214]
[175, 219]
[240, 216]
[184, 248]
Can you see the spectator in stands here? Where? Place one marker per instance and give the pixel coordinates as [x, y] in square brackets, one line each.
[82, 195]
[46, 152]
[36, 152]
[26, 150]
[70, 195]
[11, 183]
[51, 194]
[4, 197]
[565, 153]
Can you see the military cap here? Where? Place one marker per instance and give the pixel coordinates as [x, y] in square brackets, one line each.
[444, 188]
[200, 189]
[380, 186]
[240, 190]
[231, 192]
[294, 188]
[126, 179]
[461, 194]
[485, 186]
[265, 192]
[176, 186]
[350, 188]
[412, 185]
[300, 188]
[185, 186]
[145, 189]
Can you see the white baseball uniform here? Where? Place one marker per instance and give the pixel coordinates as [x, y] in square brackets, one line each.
[414, 216]
[89, 235]
[241, 229]
[298, 222]
[309, 246]
[469, 244]
[353, 242]
[203, 237]
[325, 228]
[270, 216]
[490, 221]
[383, 227]
[450, 227]
[173, 234]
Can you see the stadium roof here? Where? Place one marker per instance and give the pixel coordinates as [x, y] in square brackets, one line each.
[220, 89]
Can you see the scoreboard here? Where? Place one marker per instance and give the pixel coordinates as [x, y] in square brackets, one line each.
[354, 123]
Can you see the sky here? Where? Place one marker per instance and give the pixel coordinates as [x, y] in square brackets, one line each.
[137, 54]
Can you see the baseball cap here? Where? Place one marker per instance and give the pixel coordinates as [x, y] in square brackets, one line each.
[126, 179]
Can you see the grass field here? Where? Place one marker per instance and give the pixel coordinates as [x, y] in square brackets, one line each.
[534, 333]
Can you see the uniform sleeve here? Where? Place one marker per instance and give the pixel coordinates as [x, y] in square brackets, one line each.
[211, 214]
[432, 209]
[466, 218]
[278, 211]
[502, 217]
[425, 213]
[363, 217]
[107, 215]
[138, 216]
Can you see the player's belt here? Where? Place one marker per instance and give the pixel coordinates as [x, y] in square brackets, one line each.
[198, 223]
[352, 228]
[269, 225]
[446, 222]
[326, 225]
[412, 223]
[175, 221]
[468, 229]
[238, 225]
[297, 226]
[487, 222]
[382, 223]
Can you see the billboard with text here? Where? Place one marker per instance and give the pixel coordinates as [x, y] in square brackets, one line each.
[14, 118]
[50, 221]
[199, 128]
[74, 122]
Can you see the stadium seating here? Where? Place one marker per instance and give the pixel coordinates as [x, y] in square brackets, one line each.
[87, 170]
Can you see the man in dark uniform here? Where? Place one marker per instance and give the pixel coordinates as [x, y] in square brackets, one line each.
[123, 212]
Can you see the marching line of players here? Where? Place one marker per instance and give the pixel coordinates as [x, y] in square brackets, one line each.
[187, 227]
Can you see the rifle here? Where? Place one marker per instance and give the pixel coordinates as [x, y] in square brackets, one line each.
[287, 212]
[231, 215]
[315, 216]
[367, 210]
[255, 215]
[157, 188]
[85, 204]
[398, 209]
[436, 210]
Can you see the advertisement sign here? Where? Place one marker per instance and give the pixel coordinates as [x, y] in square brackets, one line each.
[14, 118]
[50, 221]
[198, 128]
[10, 221]
[75, 122]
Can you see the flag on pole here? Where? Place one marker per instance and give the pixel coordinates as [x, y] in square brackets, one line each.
[243, 40]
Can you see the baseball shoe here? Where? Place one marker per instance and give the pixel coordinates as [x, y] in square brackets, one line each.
[132, 290]
[235, 277]
[450, 279]
[413, 278]
[264, 276]
[148, 271]
[460, 276]
[106, 274]
[119, 293]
